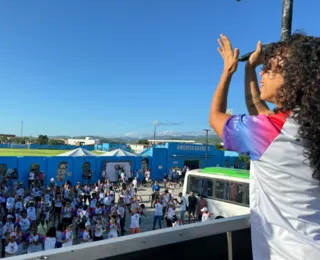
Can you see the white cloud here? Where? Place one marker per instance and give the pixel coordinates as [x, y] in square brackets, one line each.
[132, 134]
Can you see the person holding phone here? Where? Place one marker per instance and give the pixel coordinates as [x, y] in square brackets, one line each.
[283, 144]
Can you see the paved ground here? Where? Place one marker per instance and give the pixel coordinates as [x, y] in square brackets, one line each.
[145, 193]
[147, 222]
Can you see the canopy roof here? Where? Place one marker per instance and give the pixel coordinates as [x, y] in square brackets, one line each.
[78, 152]
[118, 152]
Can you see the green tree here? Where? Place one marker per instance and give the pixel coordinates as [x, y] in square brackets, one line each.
[245, 159]
[143, 141]
[3, 139]
[56, 142]
[42, 139]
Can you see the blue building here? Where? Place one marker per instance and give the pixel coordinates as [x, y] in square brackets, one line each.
[169, 155]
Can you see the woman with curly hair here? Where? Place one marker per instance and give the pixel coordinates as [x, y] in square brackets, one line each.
[284, 144]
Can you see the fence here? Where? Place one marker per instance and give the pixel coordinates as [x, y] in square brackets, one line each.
[207, 238]
[45, 146]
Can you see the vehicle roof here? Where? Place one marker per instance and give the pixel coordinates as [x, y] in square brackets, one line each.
[224, 173]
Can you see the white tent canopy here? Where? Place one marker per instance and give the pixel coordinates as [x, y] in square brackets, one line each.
[119, 153]
[78, 152]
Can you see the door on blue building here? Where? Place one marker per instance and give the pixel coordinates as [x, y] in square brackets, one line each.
[192, 164]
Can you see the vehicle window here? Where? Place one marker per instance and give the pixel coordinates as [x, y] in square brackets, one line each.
[222, 189]
[236, 192]
[240, 193]
[246, 194]
[207, 187]
[195, 185]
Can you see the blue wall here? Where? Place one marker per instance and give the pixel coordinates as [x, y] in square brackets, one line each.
[49, 165]
[171, 155]
[46, 146]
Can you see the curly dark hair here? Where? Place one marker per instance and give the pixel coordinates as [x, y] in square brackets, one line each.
[298, 59]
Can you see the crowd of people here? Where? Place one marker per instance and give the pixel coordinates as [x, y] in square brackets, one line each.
[39, 217]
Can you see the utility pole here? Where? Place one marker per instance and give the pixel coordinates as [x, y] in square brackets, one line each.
[207, 143]
[155, 129]
[286, 25]
[21, 129]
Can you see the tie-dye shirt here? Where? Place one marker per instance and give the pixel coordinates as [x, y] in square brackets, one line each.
[284, 198]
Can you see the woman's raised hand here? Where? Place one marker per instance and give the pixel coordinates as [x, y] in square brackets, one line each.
[229, 56]
[257, 57]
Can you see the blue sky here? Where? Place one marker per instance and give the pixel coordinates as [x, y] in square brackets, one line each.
[112, 67]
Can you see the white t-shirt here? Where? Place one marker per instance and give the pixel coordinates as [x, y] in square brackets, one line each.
[135, 220]
[183, 206]
[284, 197]
[205, 216]
[113, 231]
[11, 248]
[158, 209]
[10, 203]
[98, 231]
[31, 176]
[32, 248]
[50, 243]
[171, 213]
[135, 183]
[86, 236]
[20, 192]
[31, 213]
[165, 200]
[19, 205]
[93, 203]
[7, 228]
[69, 238]
[24, 224]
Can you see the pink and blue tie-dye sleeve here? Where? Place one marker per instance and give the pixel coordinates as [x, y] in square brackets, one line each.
[252, 135]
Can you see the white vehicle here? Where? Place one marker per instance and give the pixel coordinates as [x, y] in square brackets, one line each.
[225, 189]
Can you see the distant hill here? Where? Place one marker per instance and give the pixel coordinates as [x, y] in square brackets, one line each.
[213, 139]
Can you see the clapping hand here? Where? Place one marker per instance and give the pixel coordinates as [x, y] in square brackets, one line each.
[229, 56]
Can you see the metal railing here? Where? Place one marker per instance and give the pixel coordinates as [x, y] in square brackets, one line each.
[146, 240]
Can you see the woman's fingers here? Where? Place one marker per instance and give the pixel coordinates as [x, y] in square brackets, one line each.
[221, 44]
[236, 53]
[259, 47]
[220, 51]
[226, 43]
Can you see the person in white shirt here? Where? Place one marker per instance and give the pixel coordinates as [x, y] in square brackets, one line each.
[183, 206]
[135, 183]
[12, 247]
[68, 239]
[134, 224]
[113, 228]
[86, 235]
[157, 214]
[30, 178]
[171, 217]
[98, 231]
[10, 203]
[34, 240]
[31, 211]
[19, 204]
[7, 229]
[50, 240]
[205, 214]
[24, 222]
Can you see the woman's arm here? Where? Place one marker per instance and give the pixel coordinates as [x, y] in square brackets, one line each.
[254, 103]
[218, 116]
